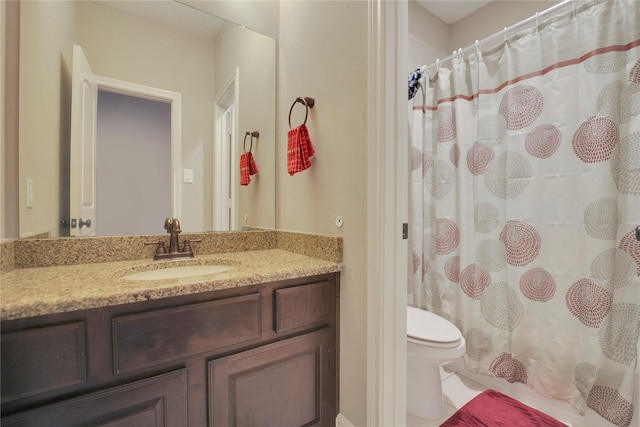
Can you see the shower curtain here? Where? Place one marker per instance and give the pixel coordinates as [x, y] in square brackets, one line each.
[524, 198]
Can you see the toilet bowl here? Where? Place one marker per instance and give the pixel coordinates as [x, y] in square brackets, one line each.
[432, 341]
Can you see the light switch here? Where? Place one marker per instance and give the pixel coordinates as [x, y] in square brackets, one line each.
[188, 175]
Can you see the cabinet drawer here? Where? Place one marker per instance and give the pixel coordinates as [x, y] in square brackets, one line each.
[305, 305]
[43, 359]
[146, 339]
[157, 401]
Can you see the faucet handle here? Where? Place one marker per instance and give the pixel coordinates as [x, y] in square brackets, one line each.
[161, 247]
[187, 245]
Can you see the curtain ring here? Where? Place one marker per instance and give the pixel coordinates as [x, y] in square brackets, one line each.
[308, 103]
[537, 23]
[459, 53]
[438, 64]
[573, 5]
[477, 43]
[505, 35]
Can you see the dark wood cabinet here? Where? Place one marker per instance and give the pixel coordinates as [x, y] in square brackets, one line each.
[264, 355]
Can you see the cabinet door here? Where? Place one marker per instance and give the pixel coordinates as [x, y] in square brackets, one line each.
[153, 402]
[290, 383]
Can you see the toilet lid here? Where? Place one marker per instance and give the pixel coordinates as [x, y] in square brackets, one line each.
[426, 326]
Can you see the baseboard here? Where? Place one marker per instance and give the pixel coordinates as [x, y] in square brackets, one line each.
[341, 421]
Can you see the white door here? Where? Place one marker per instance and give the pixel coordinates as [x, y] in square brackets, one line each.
[226, 168]
[227, 176]
[84, 101]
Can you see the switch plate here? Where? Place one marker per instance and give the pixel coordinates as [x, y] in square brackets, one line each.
[187, 175]
[29, 193]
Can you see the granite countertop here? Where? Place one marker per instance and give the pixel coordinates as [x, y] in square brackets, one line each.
[27, 292]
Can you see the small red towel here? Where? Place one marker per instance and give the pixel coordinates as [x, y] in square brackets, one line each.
[244, 169]
[248, 167]
[253, 168]
[299, 150]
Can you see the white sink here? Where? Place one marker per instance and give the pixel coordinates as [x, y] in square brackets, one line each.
[178, 272]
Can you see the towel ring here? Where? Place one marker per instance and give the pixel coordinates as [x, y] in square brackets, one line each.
[308, 103]
[253, 133]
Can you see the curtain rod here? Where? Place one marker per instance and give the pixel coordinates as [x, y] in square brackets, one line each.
[476, 46]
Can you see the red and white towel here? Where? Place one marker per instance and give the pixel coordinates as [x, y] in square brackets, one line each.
[248, 167]
[299, 150]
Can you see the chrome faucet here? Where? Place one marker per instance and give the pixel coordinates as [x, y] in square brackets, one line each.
[172, 225]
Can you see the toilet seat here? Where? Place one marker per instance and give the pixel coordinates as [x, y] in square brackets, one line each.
[424, 327]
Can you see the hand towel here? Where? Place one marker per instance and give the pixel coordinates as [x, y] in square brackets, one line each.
[299, 150]
[248, 167]
[244, 169]
[253, 168]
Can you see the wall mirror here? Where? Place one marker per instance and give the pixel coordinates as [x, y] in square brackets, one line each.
[223, 78]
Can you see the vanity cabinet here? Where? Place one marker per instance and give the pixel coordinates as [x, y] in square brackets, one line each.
[261, 355]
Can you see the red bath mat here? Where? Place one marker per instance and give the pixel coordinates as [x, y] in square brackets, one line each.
[494, 409]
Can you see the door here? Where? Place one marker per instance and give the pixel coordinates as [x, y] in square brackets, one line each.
[226, 158]
[289, 383]
[84, 101]
[227, 172]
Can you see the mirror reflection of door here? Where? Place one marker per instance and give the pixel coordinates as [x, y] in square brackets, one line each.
[82, 191]
[226, 158]
[133, 167]
[227, 177]
[132, 185]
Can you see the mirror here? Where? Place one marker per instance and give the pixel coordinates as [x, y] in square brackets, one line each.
[224, 74]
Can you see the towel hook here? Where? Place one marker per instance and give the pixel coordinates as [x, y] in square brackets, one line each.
[308, 103]
[253, 133]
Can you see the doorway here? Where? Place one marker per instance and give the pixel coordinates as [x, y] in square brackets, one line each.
[133, 164]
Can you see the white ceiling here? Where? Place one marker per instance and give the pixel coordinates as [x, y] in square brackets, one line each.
[451, 11]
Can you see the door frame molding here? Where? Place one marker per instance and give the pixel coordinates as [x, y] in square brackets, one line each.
[387, 199]
[228, 95]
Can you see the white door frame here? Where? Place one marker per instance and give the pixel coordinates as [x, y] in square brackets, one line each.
[162, 95]
[222, 202]
[387, 200]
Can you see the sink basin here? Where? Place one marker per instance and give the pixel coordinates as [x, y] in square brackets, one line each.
[178, 272]
[164, 272]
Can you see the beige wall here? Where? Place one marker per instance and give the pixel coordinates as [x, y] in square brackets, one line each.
[259, 15]
[44, 109]
[323, 54]
[491, 19]
[430, 38]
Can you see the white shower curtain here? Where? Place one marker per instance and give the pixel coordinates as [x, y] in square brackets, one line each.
[525, 195]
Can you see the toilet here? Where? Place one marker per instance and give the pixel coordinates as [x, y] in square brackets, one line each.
[432, 341]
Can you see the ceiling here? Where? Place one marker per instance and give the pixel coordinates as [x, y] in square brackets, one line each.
[451, 11]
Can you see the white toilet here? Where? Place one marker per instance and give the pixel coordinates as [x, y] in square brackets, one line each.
[432, 341]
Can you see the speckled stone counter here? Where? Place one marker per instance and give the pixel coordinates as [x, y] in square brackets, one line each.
[28, 292]
[62, 275]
